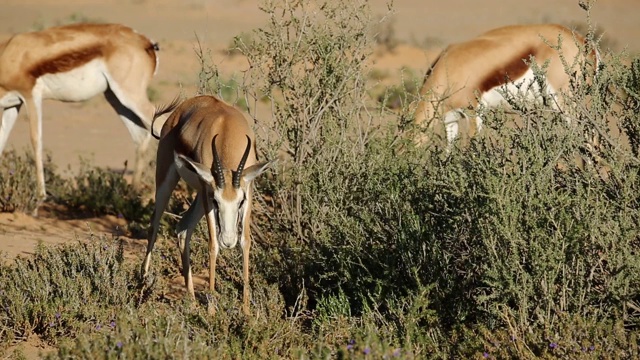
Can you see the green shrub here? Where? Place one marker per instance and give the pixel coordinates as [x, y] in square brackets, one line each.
[243, 41]
[18, 181]
[210, 82]
[101, 191]
[630, 88]
[509, 224]
[402, 95]
[184, 331]
[65, 291]
[93, 190]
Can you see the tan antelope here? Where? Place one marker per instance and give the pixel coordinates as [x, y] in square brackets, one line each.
[74, 63]
[211, 146]
[477, 71]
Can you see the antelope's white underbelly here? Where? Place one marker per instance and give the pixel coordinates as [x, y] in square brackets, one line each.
[79, 84]
[526, 86]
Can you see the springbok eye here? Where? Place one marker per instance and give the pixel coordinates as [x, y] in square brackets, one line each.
[244, 198]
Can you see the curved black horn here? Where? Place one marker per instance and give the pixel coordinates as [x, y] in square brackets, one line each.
[217, 166]
[238, 173]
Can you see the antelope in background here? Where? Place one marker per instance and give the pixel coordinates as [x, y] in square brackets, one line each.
[74, 63]
[475, 72]
[210, 145]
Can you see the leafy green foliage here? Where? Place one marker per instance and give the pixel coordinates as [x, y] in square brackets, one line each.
[101, 191]
[399, 96]
[18, 181]
[65, 291]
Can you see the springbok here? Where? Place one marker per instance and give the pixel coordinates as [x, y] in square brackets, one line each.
[74, 63]
[478, 71]
[210, 145]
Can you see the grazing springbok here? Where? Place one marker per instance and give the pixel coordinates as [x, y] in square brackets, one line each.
[74, 63]
[478, 71]
[210, 145]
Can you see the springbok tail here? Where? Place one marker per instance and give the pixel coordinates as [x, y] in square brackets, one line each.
[164, 109]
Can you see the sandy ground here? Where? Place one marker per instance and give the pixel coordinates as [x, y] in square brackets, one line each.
[92, 130]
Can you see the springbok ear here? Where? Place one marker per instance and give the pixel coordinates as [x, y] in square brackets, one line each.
[202, 171]
[252, 172]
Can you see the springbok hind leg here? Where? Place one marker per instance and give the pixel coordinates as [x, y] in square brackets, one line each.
[135, 114]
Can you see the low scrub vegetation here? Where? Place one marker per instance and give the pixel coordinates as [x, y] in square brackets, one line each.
[520, 243]
[18, 179]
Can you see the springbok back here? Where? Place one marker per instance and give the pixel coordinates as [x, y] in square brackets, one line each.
[75, 63]
[475, 72]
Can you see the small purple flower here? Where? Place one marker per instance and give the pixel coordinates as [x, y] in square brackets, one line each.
[98, 327]
[592, 347]
[11, 172]
[120, 216]
[366, 351]
[52, 324]
[397, 352]
[112, 324]
[553, 345]
[485, 355]
[119, 344]
[350, 344]
[57, 315]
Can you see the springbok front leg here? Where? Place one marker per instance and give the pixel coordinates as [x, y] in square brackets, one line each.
[214, 248]
[9, 117]
[34, 111]
[166, 180]
[213, 243]
[245, 244]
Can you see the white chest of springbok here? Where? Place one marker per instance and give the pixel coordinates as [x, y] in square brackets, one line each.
[478, 71]
[211, 146]
[75, 63]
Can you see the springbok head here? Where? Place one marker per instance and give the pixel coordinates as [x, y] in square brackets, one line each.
[228, 191]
